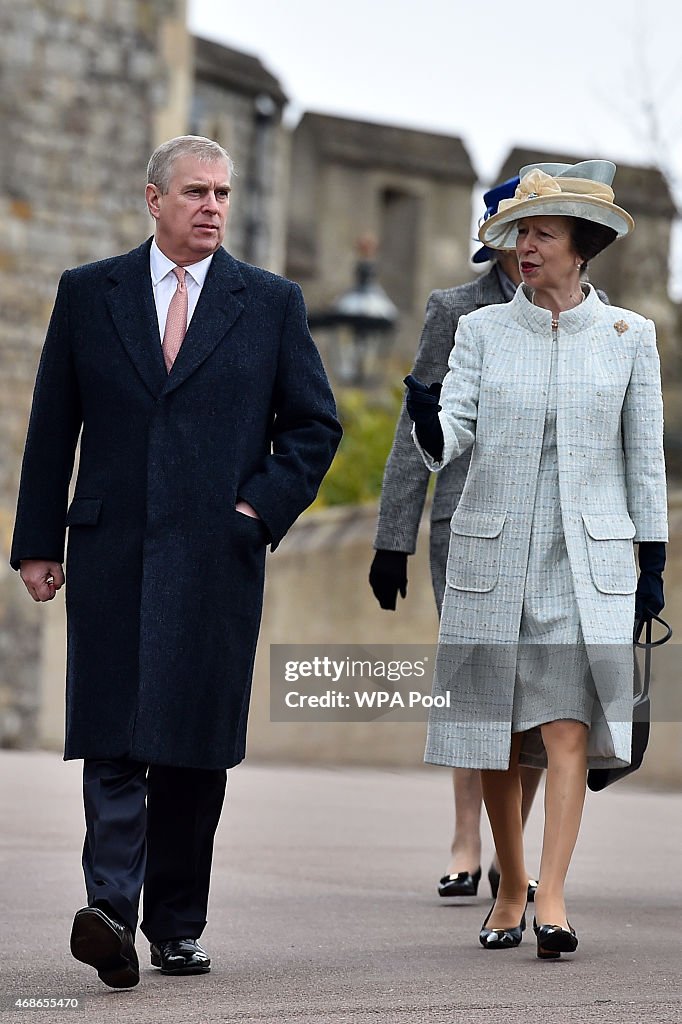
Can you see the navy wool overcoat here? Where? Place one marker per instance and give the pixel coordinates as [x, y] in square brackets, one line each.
[164, 579]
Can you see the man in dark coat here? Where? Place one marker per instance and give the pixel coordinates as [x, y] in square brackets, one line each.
[206, 424]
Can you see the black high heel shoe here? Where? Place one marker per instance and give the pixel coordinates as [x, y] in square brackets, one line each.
[461, 884]
[501, 938]
[553, 940]
[494, 879]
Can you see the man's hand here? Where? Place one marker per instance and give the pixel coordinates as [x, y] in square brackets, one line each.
[41, 579]
[246, 509]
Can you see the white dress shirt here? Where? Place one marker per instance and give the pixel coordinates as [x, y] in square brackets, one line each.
[164, 283]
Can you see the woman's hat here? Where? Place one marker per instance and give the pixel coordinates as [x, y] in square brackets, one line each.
[492, 198]
[564, 190]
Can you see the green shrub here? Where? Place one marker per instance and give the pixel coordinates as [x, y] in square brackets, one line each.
[368, 428]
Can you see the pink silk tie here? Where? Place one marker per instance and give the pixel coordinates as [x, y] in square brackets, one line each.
[176, 321]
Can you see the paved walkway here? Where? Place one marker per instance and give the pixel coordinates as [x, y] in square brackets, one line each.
[324, 909]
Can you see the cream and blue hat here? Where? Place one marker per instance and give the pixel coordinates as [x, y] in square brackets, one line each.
[564, 190]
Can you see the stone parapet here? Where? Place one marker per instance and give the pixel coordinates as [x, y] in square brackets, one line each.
[317, 593]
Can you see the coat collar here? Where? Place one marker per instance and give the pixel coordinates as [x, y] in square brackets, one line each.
[488, 290]
[132, 307]
[131, 304]
[539, 320]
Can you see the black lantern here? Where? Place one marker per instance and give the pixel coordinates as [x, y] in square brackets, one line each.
[363, 319]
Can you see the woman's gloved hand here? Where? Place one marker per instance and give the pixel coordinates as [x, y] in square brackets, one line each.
[388, 576]
[423, 408]
[649, 595]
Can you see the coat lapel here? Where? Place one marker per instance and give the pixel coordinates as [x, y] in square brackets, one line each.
[216, 312]
[131, 304]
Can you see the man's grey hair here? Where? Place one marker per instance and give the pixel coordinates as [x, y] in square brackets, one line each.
[160, 166]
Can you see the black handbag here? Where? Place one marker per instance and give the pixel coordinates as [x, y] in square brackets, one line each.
[600, 778]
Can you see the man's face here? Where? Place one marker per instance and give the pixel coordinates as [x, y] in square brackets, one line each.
[191, 217]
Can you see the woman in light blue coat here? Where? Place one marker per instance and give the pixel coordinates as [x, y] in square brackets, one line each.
[559, 398]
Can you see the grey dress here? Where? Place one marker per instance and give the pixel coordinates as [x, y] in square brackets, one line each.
[553, 676]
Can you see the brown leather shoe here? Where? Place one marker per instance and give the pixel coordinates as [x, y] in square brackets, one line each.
[180, 956]
[105, 943]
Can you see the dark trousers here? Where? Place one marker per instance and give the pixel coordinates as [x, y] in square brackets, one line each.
[151, 828]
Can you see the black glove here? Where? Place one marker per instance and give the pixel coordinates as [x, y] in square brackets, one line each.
[387, 576]
[649, 596]
[423, 408]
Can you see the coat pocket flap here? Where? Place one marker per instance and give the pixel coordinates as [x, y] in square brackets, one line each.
[83, 512]
[609, 526]
[466, 523]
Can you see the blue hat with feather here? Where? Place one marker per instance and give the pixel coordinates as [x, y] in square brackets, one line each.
[492, 200]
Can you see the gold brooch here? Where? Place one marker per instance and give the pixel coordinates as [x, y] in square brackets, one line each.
[621, 327]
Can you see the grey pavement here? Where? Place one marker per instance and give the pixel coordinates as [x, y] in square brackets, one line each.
[324, 908]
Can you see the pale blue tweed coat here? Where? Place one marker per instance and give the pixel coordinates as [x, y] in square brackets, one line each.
[613, 492]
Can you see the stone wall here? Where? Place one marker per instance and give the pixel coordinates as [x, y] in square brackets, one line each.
[83, 96]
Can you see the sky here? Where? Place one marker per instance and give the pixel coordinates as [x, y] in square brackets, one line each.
[598, 79]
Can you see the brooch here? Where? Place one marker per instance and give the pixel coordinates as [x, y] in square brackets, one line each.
[621, 327]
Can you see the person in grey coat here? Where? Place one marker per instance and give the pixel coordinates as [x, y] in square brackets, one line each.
[206, 425]
[403, 494]
[559, 397]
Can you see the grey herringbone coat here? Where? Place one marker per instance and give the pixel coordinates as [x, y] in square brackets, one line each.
[613, 492]
[406, 477]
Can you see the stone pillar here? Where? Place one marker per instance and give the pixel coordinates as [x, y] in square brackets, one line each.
[176, 50]
[84, 93]
[239, 103]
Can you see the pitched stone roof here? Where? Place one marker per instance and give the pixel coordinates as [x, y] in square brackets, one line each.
[365, 144]
[242, 72]
[639, 190]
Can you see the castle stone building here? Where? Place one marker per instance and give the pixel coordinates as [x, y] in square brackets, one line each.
[411, 190]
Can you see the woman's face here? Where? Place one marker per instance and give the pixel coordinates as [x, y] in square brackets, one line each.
[545, 252]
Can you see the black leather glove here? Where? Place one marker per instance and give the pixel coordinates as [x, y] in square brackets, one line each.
[423, 408]
[387, 576]
[649, 595]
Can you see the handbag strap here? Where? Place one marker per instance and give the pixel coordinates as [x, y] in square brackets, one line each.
[647, 647]
[640, 623]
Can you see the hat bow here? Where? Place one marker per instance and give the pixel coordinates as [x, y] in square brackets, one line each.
[537, 184]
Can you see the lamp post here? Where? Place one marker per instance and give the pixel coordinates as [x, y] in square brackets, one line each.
[363, 319]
